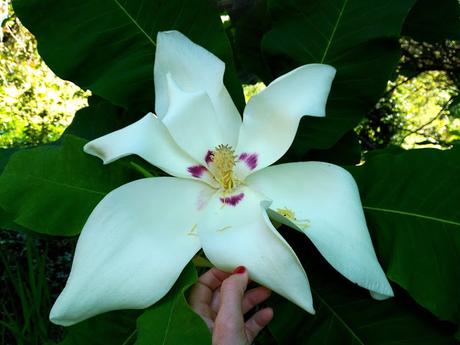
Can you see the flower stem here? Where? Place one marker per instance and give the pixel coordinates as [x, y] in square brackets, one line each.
[142, 170]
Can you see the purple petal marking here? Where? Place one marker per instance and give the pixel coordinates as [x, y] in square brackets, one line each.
[208, 157]
[232, 200]
[250, 159]
[196, 170]
[243, 156]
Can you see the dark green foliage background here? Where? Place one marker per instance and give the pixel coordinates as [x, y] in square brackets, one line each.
[411, 198]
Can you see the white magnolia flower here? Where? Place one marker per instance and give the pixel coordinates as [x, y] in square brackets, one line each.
[138, 239]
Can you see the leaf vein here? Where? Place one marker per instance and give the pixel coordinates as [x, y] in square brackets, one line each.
[411, 214]
[334, 30]
[337, 316]
[65, 185]
[134, 22]
[165, 338]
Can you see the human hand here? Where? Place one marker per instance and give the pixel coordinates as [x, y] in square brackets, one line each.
[221, 299]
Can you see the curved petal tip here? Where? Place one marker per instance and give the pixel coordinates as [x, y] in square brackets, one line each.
[58, 316]
[308, 307]
[93, 150]
[381, 297]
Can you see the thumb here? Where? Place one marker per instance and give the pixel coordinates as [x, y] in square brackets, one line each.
[232, 293]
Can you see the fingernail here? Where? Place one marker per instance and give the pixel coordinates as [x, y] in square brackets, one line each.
[239, 270]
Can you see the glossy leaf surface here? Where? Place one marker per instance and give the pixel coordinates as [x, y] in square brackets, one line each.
[347, 314]
[411, 203]
[171, 320]
[115, 328]
[432, 21]
[108, 46]
[52, 189]
[359, 38]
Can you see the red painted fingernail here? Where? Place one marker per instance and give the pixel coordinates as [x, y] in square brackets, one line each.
[239, 270]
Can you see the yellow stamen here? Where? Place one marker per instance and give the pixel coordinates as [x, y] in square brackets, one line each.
[224, 228]
[289, 214]
[285, 212]
[192, 231]
[223, 161]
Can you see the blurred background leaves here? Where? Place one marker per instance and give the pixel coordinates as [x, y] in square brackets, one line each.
[35, 105]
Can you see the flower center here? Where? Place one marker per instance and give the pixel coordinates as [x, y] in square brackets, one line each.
[223, 161]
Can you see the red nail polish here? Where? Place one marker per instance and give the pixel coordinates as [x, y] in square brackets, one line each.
[239, 270]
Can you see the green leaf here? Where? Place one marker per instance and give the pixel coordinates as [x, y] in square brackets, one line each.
[358, 37]
[5, 155]
[454, 107]
[171, 321]
[250, 24]
[100, 118]
[433, 21]
[346, 151]
[6, 219]
[108, 46]
[53, 189]
[346, 314]
[411, 203]
[112, 328]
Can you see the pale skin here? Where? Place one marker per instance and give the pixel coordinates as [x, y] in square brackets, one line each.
[221, 300]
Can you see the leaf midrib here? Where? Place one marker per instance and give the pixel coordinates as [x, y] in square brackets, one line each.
[61, 184]
[337, 316]
[333, 31]
[168, 324]
[134, 22]
[411, 214]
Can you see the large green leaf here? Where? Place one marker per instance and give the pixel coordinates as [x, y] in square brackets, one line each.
[114, 328]
[347, 315]
[6, 219]
[346, 151]
[433, 20]
[171, 321]
[52, 189]
[99, 118]
[411, 200]
[454, 107]
[108, 46]
[5, 155]
[249, 25]
[358, 37]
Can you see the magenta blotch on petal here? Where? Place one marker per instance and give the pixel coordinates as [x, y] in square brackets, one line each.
[232, 200]
[208, 158]
[250, 159]
[196, 170]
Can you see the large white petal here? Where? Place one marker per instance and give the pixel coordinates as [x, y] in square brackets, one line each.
[194, 69]
[192, 122]
[271, 118]
[327, 208]
[132, 248]
[149, 139]
[236, 231]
